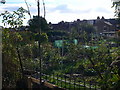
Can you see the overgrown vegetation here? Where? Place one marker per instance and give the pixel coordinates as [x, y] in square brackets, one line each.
[91, 58]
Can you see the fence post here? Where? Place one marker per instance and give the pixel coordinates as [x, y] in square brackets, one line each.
[84, 84]
[49, 76]
[70, 82]
[65, 81]
[61, 81]
[46, 77]
[53, 78]
[29, 82]
[57, 79]
[74, 83]
[95, 86]
[37, 75]
[90, 85]
[79, 85]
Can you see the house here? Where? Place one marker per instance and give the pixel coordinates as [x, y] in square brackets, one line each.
[102, 25]
[106, 27]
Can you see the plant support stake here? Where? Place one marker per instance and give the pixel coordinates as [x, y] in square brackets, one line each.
[39, 28]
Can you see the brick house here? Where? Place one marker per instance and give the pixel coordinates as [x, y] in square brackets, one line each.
[102, 25]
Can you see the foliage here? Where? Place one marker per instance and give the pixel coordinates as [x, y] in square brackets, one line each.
[83, 32]
[36, 24]
[77, 59]
[9, 59]
[27, 38]
[90, 62]
[88, 28]
[57, 34]
[116, 4]
[14, 19]
[10, 41]
[42, 37]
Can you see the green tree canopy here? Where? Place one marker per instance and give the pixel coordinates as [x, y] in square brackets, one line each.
[35, 23]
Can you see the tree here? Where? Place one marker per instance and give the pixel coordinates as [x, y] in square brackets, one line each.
[9, 58]
[14, 19]
[116, 4]
[87, 28]
[11, 41]
[3, 1]
[34, 24]
[57, 35]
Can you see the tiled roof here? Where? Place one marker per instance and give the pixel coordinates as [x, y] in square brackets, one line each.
[108, 23]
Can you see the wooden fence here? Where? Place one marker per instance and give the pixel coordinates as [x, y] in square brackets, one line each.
[59, 82]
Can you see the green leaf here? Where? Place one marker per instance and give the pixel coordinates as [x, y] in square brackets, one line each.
[115, 78]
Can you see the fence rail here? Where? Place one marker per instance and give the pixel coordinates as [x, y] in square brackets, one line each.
[61, 82]
[31, 81]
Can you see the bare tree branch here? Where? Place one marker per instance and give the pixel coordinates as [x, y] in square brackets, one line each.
[44, 8]
[28, 8]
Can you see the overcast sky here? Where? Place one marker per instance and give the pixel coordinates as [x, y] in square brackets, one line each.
[66, 10]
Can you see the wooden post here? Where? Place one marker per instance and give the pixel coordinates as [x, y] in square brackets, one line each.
[29, 82]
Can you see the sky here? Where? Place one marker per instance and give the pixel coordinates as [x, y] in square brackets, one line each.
[63, 10]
